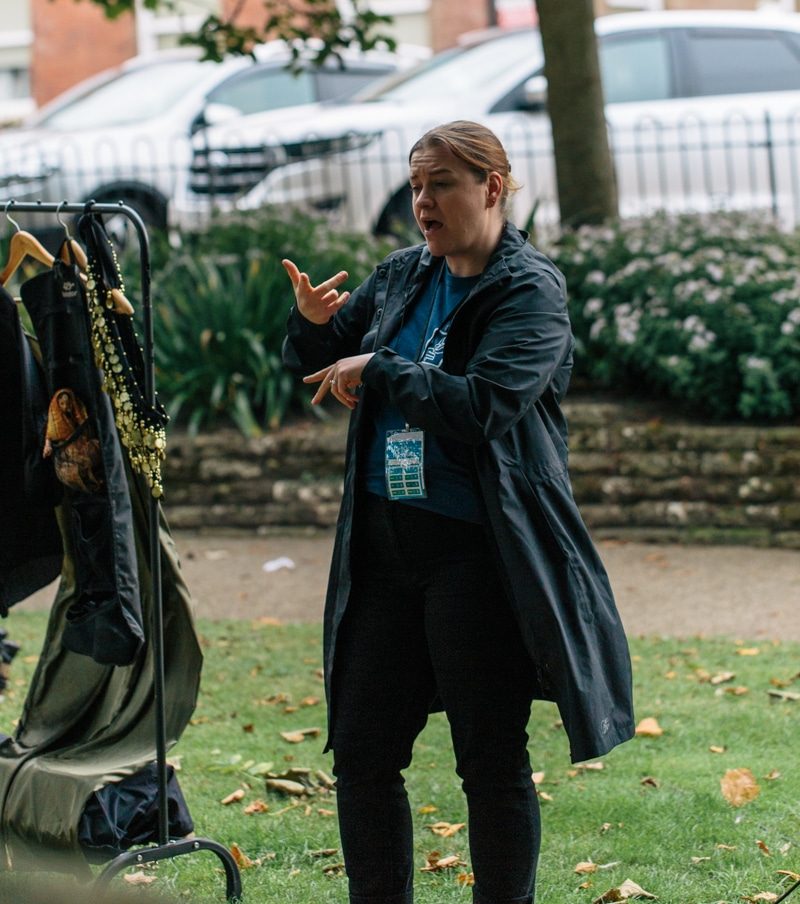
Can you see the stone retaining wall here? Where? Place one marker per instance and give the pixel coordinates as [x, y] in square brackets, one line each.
[635, 477]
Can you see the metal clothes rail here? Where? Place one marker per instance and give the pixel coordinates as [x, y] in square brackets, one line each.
[165, 849]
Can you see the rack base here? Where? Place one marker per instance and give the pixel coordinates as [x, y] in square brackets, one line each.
[233, 884]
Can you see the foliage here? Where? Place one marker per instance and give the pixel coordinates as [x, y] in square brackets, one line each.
[220, 305]
[655, 811]
[298, 22]
[704, 310]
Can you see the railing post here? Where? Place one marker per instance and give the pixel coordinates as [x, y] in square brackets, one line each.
[770, 146]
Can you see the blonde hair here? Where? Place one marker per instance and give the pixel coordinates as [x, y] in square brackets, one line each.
[476, 146]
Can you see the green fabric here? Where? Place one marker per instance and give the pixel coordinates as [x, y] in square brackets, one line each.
[83, 724]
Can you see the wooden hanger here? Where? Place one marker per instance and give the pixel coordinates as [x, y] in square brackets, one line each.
[23, 245]
[120, 302]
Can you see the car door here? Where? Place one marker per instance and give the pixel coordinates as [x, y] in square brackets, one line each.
[716, 128]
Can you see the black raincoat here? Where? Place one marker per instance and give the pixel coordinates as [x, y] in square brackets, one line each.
[506, 366]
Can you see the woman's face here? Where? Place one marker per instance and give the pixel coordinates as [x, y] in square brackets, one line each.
[64, 402]
[459, 216]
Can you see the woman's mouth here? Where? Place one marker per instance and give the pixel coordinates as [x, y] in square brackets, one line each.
[430, 226]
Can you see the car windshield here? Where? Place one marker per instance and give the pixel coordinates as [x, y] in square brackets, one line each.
[130, 97]
[460, 71]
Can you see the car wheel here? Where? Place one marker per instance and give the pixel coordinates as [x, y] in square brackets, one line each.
[397, 218]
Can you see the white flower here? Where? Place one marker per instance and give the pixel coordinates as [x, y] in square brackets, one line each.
[715, 272]
[787, 328]
[595, 277]
[754, 363]
[593, 306]
[597, 327]
[701, 341]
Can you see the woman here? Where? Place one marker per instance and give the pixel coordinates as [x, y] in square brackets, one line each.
[462, 573]
[70, 438]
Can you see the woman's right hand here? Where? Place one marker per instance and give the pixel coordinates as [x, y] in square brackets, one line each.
[316, 303]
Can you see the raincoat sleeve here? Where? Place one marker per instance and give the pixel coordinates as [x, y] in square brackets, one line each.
[526, 342]
[309, 347]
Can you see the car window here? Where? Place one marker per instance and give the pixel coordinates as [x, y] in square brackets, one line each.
[131, 97]
[635, 68]
[461, 71]
[741, 62]
[340, 84]
[264, 88]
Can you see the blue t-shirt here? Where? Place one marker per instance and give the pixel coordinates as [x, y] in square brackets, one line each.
[449, 473]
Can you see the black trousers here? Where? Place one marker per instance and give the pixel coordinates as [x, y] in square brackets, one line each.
[428, 616]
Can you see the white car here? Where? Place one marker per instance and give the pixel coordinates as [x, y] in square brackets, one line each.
[703, 111]
[125, 134]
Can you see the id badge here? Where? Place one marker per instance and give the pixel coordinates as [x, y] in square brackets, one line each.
[405, 478]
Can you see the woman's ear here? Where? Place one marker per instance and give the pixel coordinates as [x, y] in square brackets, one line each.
[494, 188]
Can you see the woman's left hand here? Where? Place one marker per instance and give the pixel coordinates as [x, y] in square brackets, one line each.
[340, 379]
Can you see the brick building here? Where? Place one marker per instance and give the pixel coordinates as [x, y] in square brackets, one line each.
[43, 42]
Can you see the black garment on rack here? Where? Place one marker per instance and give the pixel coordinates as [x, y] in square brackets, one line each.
[105, 621]
[122, 814]
[30, 543]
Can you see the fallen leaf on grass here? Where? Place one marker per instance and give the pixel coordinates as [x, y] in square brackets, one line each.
[325, 780]
[650, 781]
[725, 847]
[323, 812]
[624, 892]
[715, 748]
[585, 867]
[747, 651]
[257, 806]
[446, 829]
[325, 852]
[543, 795]
[772, 775]
[233, 797]
[739, 786]
[242, 860]
[762, 846]
[784, 696]
[333, 869]
[298, 736]
[427, 809]
[467, 879]
[286, 786]
[761, 896]
[722, 677]
[299, 781]
[649, 728]
[310, 701]
[140, 878]
[795, 877]
[700, 859]
[738, 691]
[436, 863]
[537, 777]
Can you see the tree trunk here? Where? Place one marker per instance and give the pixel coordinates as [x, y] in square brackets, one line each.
[584, 168]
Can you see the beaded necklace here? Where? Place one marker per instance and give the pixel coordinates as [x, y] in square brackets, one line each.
[141, 426]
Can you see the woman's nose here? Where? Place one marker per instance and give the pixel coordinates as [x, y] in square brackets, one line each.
[423, 199]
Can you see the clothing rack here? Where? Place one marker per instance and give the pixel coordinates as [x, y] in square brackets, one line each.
[165, 849]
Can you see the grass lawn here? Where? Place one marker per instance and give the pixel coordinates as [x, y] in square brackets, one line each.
[651, 811]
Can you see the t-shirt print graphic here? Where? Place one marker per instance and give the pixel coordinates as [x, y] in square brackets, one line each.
[434, 348]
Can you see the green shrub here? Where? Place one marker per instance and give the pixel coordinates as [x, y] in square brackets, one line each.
[220, 304]
[704, 310]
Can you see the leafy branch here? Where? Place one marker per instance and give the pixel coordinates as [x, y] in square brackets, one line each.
[315, 30]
